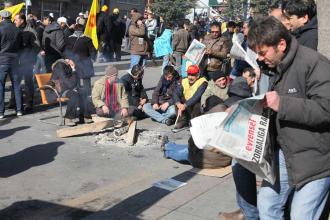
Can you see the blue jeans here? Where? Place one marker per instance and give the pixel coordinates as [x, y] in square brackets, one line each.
[166, 61]
[307, 203]
[10, 69]
[178, 152]
[159, 115]
[138, 59]
[246, 191]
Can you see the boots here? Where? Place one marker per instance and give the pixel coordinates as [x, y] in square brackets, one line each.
[236, 215]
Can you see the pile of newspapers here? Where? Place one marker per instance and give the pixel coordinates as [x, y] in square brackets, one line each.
[241, 133]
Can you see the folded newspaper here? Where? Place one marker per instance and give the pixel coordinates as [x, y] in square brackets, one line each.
[241, 134]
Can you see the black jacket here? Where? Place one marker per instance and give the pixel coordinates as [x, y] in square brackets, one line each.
[81, 50]
[303, 119]
[118, 29]
[53, 40]
[104, 25]
[30, 46]
[10, 42]
[307, 35]
[134, 89]
[238, 90]
[164, 92]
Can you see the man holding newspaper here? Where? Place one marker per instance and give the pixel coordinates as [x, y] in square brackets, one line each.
[300, 102]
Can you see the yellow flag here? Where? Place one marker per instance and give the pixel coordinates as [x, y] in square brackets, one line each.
[90, 30]
[15, 9]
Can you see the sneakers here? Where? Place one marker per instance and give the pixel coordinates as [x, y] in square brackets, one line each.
[2, 116]
[19, 113]
[169, 122]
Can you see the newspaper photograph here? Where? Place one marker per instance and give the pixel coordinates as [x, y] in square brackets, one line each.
[195, 52]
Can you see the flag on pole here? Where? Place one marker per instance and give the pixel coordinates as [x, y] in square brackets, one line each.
[90, 29]
[15, 9]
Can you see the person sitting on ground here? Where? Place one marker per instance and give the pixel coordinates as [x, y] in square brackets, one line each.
[137, 96]
[65, 81]
[109, 96]
[162, 108]
[216, 91]
[188, 96]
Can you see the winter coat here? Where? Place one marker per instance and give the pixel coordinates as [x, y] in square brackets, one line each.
[118, 29]
[137, 36]
[180, 42]
[164, 92]
[307, 35]
[53, 40]
[10, 42]
[162, 44]
[104, 26]
[98, 94]
[214, 90]
[151, 26]
[220, 49]
[238, 90]
[134, 89]
[30, 46]
[81, 50]
[303, 118]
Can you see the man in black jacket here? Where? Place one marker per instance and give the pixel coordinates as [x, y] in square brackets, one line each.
[303, 21]
[137, 96]
[53, 44]
[162, 108]
[10, 43]
[300, 102]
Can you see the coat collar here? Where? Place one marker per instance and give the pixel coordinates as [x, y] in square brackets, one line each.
[289, 57]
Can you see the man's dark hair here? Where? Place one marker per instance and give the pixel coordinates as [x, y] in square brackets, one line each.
[231, 24]
[169, 70]
[215, 24]
[280, 4]
[250, 71]
[22, 16]
[169, 25]
[301, 8]
[267, 31]
[180, 23]
[134, 10]
[136, 70]
[47, 17]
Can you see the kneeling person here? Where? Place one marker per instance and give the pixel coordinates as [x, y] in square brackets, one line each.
[109, 96]
[162, 108]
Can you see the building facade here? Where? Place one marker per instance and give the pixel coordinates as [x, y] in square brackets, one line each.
[71, 8]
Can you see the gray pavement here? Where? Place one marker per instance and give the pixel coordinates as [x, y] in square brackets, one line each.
[45, 177]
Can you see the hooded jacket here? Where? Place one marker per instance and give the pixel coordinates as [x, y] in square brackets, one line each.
[307, 35]
[137, 36]
[134, 88]
[162, 44]
[164, 92]
[303, 119]
[53, 40]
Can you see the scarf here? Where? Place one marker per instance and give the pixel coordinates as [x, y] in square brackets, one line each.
[111, 96]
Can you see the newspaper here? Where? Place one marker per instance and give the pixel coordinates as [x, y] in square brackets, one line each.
[169, 184]
[241, 134]
[249, 55]
[195, 52]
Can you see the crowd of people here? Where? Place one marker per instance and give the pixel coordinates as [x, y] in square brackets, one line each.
[292, 75]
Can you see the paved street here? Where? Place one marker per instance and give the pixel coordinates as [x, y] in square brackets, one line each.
[45, 177]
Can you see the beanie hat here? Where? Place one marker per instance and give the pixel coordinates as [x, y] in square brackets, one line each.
[218, 74]
[111, 71]
[193, 70]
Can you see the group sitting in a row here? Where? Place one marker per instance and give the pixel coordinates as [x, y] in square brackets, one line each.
[126, 97]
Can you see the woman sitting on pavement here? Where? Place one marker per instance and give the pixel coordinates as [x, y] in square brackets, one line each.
[65, 81]
[137, 97]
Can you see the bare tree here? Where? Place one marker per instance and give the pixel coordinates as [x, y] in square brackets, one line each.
[323, 17]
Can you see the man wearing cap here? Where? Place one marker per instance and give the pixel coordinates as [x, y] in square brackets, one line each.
[116, 35]
[63, 22]
[188, 96]
[10, 43]
[216, 91]
[109, 96]
[53, 44]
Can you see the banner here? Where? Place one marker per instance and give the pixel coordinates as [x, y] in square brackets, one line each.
[90, 30]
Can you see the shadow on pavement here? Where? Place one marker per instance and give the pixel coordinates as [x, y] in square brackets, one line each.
[40, 210]
[5, 121]
[133, 206]
[9, 132]
[30, 157]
